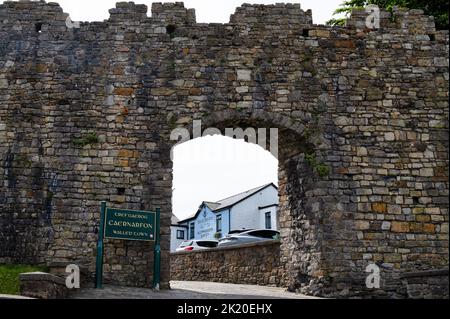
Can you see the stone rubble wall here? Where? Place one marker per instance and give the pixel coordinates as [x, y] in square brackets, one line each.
[427, 284]
[42, 286]
[252, 264]
[86, 115]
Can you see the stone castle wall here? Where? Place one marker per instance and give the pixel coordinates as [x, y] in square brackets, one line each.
[427, 284]
[86, 115]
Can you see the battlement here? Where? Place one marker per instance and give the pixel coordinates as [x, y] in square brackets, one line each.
[280, 13]
[32, 6]
[28, 14]
[31, 16]
[162, 13]
[172, 13]
[128, 10]
[404, 20]
[28, 9]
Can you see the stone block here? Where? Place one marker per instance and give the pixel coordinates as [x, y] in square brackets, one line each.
[379, 208]
[400, 227]
[244, 75]
[42, 285]
[124, 91]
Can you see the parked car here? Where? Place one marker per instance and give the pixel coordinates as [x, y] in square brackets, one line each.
[190, 245]
[248, 236]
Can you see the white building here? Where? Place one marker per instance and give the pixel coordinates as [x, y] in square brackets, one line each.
[178, 233]
[254, 209]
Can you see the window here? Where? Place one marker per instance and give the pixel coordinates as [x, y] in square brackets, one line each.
[208, 244]
[192, 231]
[180, 234]
[219, 223]
[268, 234]
[268, 220]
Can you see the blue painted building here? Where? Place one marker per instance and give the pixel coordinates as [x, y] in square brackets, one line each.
[254, 209]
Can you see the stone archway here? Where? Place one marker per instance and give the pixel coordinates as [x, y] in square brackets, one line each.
[299, 213]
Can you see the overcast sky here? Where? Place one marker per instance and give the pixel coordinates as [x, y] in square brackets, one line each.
[216, 167]
[210, 168]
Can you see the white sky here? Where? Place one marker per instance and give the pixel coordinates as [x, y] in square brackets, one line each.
[210, 168]
[206, 10]
[215, 167]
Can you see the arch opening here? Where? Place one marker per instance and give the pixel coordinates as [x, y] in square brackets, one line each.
[298, 258]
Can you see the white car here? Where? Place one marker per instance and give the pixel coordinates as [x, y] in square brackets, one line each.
[190, 245]
[248, 236]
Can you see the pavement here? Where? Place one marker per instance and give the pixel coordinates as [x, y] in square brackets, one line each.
[189, 290]
[5, 297]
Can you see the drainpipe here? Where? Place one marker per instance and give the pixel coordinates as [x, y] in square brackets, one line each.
[229, 220]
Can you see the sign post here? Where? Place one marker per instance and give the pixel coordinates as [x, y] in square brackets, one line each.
[128, 225]
[99, 263]
[157, 254]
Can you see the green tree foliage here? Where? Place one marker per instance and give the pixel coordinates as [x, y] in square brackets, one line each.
[437, 8]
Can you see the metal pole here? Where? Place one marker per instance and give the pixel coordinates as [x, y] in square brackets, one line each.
[157, 253]
[99, 262]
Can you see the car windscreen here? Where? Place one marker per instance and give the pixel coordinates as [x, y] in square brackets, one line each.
[238, 231]
[269, 234]
[186, 243]
[209, 244]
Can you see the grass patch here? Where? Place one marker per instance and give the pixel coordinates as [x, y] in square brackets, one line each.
[320, 168]
[87, 139]
[9, 277]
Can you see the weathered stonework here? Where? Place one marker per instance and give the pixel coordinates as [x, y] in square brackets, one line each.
[252, 264]
[86, 114]
[427, 284]
[43, 286]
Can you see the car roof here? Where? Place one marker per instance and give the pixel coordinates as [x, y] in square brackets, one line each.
[256, 230]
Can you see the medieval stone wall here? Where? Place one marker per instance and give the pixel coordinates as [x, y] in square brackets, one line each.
[427, 284]
[86, 115]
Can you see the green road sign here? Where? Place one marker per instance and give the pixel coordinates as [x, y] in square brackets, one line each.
[129, 224]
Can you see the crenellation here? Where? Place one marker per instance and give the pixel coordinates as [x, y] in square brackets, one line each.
[128, 11]
[400, 20]
[172, 14]
[413, 21]
[279, 14]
